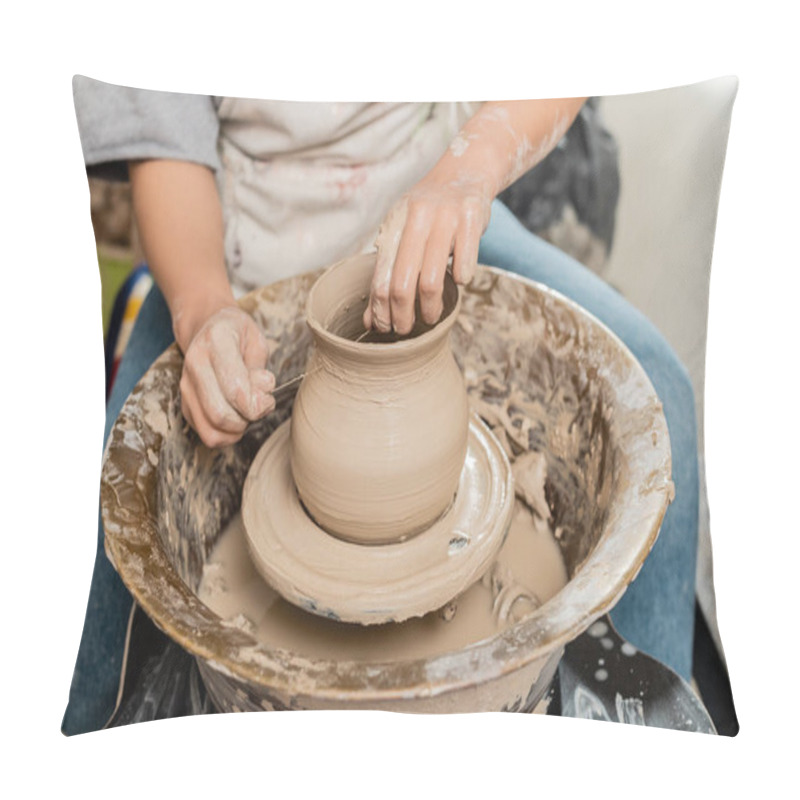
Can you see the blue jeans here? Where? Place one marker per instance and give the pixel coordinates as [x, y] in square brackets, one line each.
[656, 613]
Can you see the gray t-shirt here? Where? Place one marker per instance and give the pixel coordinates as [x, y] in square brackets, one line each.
[118, 124]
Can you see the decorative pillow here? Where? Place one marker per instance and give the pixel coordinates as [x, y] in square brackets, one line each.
[612, 230]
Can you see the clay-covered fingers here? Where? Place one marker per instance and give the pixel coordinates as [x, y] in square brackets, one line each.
[225, 384]
[438, 249]
[262, 381]
[434, 221]
[472, 223]
[406, 270]
[378, 313]
[414, 246]
[215, 428]
[228, 354]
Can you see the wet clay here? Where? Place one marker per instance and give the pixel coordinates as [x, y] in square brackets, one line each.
[528, 571]
[379, 428]
[373, 584]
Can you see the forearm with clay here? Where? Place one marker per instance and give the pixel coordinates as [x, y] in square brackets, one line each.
[447, 212]
[224, 384]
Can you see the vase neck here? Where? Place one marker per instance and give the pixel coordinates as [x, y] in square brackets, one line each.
[381, 361]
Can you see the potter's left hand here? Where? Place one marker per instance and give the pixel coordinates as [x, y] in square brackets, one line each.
[225, 384]
[434, 220]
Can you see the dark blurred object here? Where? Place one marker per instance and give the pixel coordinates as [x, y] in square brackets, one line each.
[160, 680]
[570, 198]
[112, 212]
[711, 677]
[603, 677]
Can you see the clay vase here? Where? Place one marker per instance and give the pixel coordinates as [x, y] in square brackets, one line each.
[379, 426]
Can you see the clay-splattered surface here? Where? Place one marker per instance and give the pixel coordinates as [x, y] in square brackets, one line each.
[547, 378]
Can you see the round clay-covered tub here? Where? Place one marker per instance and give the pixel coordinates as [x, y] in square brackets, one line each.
[541, 371]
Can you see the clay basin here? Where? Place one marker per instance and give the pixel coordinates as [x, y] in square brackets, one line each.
[545, 375]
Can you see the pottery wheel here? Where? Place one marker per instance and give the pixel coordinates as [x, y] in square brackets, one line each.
[372, 584]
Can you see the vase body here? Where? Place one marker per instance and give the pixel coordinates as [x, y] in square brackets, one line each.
[379, 427]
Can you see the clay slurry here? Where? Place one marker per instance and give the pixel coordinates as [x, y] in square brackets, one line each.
[529, 569]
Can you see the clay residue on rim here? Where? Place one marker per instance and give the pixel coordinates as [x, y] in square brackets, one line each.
[335, 310]
[540, 371]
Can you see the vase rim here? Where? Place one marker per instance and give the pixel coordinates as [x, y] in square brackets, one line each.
[355, 285]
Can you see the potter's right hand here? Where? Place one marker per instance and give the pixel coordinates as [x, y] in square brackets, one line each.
[225, 384]
[444, 215]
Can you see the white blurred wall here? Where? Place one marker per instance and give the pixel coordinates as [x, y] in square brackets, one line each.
[672, 150]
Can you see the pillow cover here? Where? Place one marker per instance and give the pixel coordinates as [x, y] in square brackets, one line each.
[629, 191]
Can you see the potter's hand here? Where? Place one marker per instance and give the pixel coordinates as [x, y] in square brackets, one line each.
[448, 211]
[434, 220]
[224, 385]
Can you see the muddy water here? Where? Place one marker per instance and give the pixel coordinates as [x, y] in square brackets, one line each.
[528, 571]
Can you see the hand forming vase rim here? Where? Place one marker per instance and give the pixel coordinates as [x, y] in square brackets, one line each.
[145, 542]
[325, 301]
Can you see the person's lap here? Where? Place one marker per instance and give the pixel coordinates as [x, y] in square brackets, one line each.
[656, 613]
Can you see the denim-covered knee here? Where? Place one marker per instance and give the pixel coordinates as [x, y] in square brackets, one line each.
[673, 385]
[677, 375]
